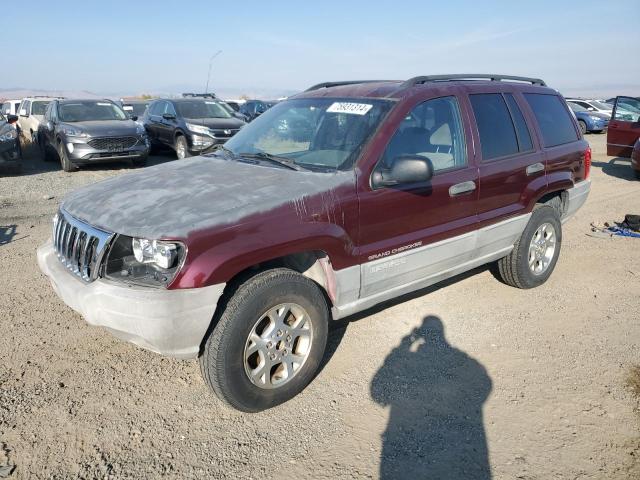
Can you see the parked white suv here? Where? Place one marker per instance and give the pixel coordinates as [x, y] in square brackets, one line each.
[30, 114]
[592, 105]
[10, 107]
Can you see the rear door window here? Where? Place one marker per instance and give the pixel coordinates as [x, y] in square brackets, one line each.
[555, 122]
[495, 127]
[524, 137]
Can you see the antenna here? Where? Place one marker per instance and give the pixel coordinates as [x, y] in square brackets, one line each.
[206, 90]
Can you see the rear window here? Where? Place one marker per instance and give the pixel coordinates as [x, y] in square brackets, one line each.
[554, 120]
[496, 130]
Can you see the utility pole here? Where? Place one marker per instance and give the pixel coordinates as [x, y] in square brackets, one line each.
[206, 90]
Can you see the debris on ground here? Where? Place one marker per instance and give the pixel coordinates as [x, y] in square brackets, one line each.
[629, 227]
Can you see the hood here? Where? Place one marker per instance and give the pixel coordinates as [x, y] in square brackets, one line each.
[106, 128]
[174, 199]
[605, 116]
[231, 123]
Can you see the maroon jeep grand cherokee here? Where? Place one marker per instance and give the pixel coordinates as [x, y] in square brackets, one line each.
[332, 201]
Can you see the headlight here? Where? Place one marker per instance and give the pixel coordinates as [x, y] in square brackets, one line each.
[74, 132]
[140, 129]
[10, 134]
[144, 262]
[595, 119]
[198, 128]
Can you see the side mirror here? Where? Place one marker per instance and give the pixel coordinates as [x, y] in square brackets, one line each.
[12, 118]
[23, 113]
[405, 169]
[133, 117]
[168, 116]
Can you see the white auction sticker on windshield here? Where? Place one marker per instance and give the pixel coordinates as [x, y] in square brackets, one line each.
[349, 107]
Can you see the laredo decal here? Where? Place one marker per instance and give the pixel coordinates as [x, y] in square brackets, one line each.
[394, 251]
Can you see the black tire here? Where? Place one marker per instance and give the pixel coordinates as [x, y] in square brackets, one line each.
[222, 362]
[637, 173]
[139, 162]
[67, 165]
[45, 154]
[514, 269]
[182, 147]
[583, 126]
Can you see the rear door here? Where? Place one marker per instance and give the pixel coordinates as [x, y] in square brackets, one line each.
[509, 161]
[154, 122]
[624, 127]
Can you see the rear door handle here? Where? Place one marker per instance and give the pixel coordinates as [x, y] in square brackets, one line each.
[535, 168]
[460, 188]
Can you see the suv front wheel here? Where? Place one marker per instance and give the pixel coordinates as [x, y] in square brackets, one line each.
[268, 342]
[65, 162]
[182, 148]
[536, 252]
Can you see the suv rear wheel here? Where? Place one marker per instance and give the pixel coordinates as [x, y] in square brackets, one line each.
[182, 149]
[269, 341]
[535, 254]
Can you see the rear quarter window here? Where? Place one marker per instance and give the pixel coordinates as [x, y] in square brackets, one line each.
[554, 120]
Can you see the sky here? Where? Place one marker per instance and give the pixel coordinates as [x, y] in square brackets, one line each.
[130, 47]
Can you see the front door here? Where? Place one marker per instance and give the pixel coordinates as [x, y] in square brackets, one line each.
[415, 231]
[624, 127]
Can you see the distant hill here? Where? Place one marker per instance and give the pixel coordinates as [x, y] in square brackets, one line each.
[17, 93]
[171, 91]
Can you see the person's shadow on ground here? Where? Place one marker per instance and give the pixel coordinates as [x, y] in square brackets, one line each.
[436, 393]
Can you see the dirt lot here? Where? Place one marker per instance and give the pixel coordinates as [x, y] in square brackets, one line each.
[447, 383]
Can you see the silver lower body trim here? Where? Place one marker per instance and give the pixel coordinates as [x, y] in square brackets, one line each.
[412, 270]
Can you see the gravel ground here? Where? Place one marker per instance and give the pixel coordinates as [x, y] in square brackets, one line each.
[455, 381]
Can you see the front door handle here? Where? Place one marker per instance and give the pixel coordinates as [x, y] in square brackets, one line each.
[535, 168]
[460, 188]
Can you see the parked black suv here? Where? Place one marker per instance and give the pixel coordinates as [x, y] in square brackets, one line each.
[81, 132]
[190, 125]
[252, 109]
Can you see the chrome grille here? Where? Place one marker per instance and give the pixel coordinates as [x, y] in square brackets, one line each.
[79, 247]
[225, 133]
[112, 143]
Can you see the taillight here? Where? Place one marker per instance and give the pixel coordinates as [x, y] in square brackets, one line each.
[587, 162]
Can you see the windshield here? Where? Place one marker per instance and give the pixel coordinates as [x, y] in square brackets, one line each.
[89, 110]
[201, 109]
[323, 133]
[38, 108]
[577, 108]
[600, 105]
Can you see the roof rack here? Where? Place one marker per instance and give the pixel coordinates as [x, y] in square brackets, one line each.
[200, 95]
[340, 84]
[471, 76]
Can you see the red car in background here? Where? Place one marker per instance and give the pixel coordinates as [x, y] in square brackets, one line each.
[624, 131]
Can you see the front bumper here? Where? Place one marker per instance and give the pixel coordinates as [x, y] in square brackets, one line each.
[10, 151]
[80, 152]
[575, 198]
[169, 322]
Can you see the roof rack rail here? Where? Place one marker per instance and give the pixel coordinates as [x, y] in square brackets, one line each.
[340, 84]
[471, 76]
[200, 95]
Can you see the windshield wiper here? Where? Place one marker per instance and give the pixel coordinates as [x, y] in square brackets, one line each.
[284, 161]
